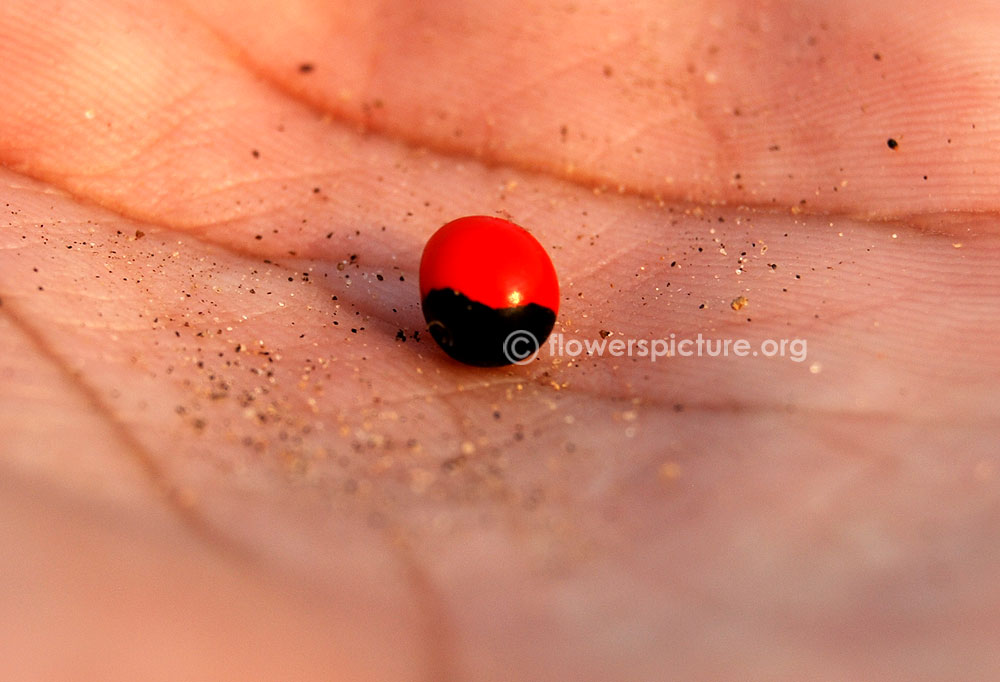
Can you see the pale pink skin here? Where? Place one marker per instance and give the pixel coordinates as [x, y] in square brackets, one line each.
[175, 504]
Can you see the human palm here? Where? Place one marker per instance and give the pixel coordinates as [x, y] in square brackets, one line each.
[229, 450]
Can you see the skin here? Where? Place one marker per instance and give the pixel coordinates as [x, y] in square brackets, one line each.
[218, 461]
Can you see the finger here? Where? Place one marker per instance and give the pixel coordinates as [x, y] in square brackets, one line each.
[818, 147]
[775, 105]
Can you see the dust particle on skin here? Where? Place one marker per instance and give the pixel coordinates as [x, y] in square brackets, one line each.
[739, 302]
[892, 143]
[453, 463]
[669, 471]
